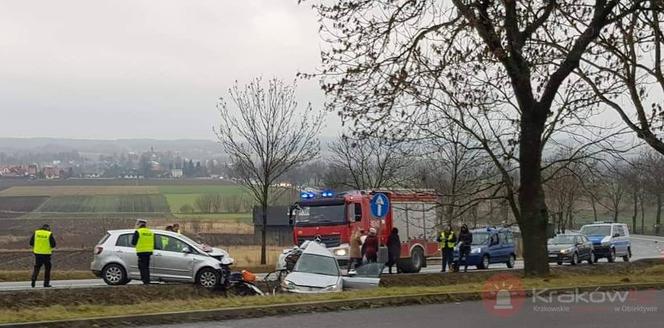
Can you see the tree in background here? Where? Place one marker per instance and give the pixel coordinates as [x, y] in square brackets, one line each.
[368, 162]
[265, 135]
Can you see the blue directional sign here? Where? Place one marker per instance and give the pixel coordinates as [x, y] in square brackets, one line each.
[380, 206]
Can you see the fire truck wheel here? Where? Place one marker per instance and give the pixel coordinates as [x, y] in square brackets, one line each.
[415, 262]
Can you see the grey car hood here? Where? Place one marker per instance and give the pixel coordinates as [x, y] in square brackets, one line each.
[558, 247]
[312, 279]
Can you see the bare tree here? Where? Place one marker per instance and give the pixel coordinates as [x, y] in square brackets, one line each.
[652, 166]
[368, 162]
[266, 135]
[384, 56]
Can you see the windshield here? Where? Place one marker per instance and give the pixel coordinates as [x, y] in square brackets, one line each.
[480, 238]
[309, 263]
[597, 230]
[317, 215]
[562, 239]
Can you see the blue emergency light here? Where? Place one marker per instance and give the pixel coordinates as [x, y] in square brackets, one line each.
[307, 195]
[326, 194]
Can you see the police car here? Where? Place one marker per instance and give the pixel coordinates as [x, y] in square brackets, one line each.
[610, 240]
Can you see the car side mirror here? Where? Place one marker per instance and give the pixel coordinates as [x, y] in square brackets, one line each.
[186, 250]
[358, 217]
[616, 235]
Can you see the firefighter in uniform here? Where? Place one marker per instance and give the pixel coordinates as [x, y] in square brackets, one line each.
[42, 243]
[143, 240]
[447, 241]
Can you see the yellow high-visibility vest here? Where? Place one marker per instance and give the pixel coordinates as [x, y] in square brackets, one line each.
[446, 239]
[145, 243]
[42, 244]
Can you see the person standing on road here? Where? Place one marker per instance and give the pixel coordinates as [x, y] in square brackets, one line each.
[143, 240]
[355, 250]
[42, 243]
[371, 246]
[393, 250]
[465, 239]
[447, 240]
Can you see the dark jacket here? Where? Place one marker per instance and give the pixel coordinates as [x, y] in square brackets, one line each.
[371, 246]
[466, 238]
[51, 240]
[393, 246]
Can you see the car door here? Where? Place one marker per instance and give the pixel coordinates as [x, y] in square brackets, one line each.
[173, 259]
[126, 252]
[366, 276]
[620, 242]
[581, 247]
[495, 249]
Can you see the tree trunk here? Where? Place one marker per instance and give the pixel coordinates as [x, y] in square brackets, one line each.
[592, 202]
[643, 215]
[636, 200]
[534, 216]
[264, 234]
[659, 213]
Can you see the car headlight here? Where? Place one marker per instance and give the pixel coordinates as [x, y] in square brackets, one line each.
[341, 252]
[287, 285]
[331, 288]
[565, 251]
[476, 251]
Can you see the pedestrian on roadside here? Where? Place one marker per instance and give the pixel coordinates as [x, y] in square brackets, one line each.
[447, 240]
[393, 250]
[143, 240]
[43, 243]
[363, 237]
[371, 248]
[465, 239]
[355, 250]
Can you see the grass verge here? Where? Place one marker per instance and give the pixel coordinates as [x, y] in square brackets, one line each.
[651, 274]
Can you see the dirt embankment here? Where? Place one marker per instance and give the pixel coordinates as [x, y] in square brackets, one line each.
[62, 260]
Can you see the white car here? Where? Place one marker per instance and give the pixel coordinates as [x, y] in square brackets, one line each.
[317, 271]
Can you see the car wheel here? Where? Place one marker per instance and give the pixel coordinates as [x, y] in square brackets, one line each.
[414, 263]
[575, 259]
[628, 255]
[591, 258]
[485, 262]
[114, 274]
[560, 262]
[207, 278]
[612, 256]
[511, 261]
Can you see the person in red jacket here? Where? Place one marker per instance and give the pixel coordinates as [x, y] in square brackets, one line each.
[371, 248]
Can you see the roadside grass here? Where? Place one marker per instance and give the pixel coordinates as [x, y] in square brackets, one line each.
[146, 203]
[230, 217]
[60, 312]
[23, 275]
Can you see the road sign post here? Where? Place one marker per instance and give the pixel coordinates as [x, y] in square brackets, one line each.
[380, 206]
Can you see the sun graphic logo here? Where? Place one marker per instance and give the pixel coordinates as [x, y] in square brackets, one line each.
[503, 295]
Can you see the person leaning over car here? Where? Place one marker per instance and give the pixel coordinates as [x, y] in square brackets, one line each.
[143, 240]
[355, 250]
[371, 248]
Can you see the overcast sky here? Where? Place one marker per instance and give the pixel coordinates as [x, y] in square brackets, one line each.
[144, 69]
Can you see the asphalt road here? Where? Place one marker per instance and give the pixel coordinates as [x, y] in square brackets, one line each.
[635, 310]
[642, 247]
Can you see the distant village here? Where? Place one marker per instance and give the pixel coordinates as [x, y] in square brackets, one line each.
[129, 165]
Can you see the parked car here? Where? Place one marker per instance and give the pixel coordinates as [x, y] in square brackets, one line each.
[176, 258]
[572, 248]
[490, 245]
[317, 271]
[610, 240]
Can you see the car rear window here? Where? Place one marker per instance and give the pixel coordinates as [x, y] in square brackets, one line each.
[124, 240]
[103, 239]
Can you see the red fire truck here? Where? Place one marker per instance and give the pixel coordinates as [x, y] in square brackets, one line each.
[333, 217]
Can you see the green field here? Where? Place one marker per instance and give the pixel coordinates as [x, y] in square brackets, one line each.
[106, 204]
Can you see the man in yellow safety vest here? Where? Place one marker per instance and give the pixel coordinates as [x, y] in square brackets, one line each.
[447, 241]
[42, 243]
[143, 240]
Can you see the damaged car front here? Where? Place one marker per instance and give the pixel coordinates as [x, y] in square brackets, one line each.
[316, 271]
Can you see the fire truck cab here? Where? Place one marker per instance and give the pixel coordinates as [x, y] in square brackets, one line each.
[332, 218]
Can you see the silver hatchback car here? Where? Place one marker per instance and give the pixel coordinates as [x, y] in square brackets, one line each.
[176, 258]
